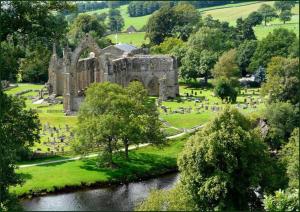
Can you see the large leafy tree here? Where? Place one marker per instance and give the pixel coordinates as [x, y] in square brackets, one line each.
[111, 114]
[84, 24]
[284, 5]
[282, 118]
[177, 21]
[24, 24]
[115, 20]
[19, 129]
[204, 48]
[276, 43]
[283, 80]
[285, 16]
[267, 12]
[222, 164]
[244, 54]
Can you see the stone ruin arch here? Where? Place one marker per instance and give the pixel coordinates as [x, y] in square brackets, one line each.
[120, 63]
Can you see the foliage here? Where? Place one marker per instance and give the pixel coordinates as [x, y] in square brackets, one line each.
[34, 67]
[285, 16]
[260, 75]
[244, 54]
[267, 12]
[8, 60]
[284, 5]
[111, 114]
[115, 20]
[282, 80]
[244, 30]
[175, 199]
[167, 46]
[19, 128]
[141, 8]
[282, 118]
[227, 66]
[282, 201]
[276, 43]
[197, 64]
[84, 24]
[290, 157]
[254, 18]
[223, 162]
[177, 21]
[204, 47]
[294, 49]
[226, 89]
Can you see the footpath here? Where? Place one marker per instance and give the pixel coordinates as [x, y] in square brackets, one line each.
[186, 131]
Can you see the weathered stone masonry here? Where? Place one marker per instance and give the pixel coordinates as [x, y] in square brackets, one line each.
[122, 63]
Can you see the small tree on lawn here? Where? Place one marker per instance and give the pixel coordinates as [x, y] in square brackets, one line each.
[267, 12]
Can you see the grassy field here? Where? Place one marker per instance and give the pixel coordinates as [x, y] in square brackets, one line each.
[144, 162]
[232, 12]
[53, 116]
[199, 115]
[137, 22]
[136, 39]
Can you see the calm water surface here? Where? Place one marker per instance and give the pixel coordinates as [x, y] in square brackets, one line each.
[114, 198]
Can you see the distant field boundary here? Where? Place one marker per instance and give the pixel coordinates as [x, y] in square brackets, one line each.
[228, 6]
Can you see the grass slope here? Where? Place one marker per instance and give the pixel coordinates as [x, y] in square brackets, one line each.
[136, 39]
[144, 162]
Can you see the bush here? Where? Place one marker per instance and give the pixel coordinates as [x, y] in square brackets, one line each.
[226, 90]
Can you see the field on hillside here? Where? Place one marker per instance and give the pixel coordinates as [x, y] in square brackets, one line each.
[136, 39]
[232, 12]
[137, 22]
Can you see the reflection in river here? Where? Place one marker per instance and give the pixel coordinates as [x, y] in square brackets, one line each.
[119, 197]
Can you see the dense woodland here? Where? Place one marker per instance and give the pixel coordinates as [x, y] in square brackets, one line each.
[216, 173]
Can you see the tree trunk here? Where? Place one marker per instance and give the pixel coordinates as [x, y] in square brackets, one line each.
[110, 159]
[126, 148]
[265, 21]
[205, 78]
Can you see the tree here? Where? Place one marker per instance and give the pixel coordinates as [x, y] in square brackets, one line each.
[197, 64]
[115, 20]
[282, 80]
[222, 164]
[98, 123]
[290, 157]
[244, 54]
[227, 66]
[140, 119]
[267, 12]
[285, 16]
[294, 49]
[276, 43]
[282, 201]
[84, 24]
[284, 5]
[282, 118]
[254, 18]
[177, 21]
[111, 114]
[19, 129]
[167, 46]
[226, 89]
[175, 199]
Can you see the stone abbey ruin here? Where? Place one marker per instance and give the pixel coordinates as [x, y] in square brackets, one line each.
[121, 63]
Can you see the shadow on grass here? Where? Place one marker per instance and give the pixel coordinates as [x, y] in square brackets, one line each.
[139, 164]
[54, 164]
[24, 176]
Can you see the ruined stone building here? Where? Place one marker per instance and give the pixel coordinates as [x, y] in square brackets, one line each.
[121, 63]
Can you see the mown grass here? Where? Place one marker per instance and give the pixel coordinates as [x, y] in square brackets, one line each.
[136, 39]
[144, 162]
[189, 120]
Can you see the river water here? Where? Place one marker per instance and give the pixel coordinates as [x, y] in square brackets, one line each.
[115, 198]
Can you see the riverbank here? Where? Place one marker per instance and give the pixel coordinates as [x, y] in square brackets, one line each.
[144, 163]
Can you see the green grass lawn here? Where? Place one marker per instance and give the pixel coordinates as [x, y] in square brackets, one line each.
[136, 39]
[147, 161]
[189, 120]
[232, 12]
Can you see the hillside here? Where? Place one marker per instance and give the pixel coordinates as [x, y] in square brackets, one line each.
[227, 13]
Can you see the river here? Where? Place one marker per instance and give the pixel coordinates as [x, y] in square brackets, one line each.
[115, 198]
